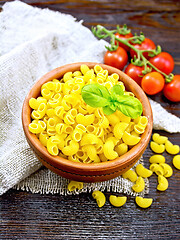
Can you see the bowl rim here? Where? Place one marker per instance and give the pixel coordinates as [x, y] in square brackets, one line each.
[62, 163]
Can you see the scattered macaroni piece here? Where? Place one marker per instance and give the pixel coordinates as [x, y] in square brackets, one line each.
[157, 158]
[158, 165]
[171, 149]
[143, 202]
[167, 169]
[142, 171]
[159, 139]
[100, 198]
[139, 185]
[131, 175]
[176, 161]
[157, 148]
[117, 201]
[163, 183]
[73, 185]
[154, 167]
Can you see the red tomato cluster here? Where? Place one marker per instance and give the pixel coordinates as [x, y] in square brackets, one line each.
[172, 89]
[147, 44]
[117, 59]
[152, 82]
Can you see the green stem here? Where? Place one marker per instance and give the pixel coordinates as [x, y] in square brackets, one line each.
[157, 70]
[144, 63]
[140, 55]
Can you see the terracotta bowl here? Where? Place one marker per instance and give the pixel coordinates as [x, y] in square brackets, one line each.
[93, 172]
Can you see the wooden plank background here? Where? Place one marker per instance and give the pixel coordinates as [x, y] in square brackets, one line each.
[24, 215]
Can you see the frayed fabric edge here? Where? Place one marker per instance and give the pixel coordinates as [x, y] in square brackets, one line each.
[65, 192]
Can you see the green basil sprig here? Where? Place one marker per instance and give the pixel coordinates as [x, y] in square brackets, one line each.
[97, 95]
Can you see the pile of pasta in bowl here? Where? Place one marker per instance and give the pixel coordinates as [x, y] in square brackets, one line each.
[87, 116]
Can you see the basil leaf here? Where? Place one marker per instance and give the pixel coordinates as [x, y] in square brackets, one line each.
[113, 106]
[108, 110]
[129, 106]
[95, 95]
[117, 90]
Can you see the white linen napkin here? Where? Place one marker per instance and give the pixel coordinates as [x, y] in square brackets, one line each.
[33, 42]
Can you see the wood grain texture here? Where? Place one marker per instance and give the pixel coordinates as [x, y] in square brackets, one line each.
[24, 215]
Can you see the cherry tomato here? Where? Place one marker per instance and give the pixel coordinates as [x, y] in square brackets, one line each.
[164, 62]
[152, 83]
[147, 44]
[172, 90]
[116, 58]
[123, 37]
[135, 72]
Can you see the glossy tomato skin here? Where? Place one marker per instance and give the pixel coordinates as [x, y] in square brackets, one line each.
[172, 90]
[152, 83]
[124, 37]
[117, 59]
[147, 44]
[135, 72]
[164, 62]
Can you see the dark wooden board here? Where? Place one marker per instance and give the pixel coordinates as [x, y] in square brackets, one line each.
[24, 215]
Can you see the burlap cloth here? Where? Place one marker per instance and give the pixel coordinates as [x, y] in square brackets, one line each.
[33, 42]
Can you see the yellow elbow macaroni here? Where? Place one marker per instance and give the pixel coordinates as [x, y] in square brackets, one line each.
[43, 137]
[142, 121]
[121, 149]
[154, 167]
[119, 129]
[167, 169]
[85, 133]
[162, 183]
[117, 201]
[142, 171]
[157, 148]
[170, 148]
[71, 149]
[130, 139]
[157, 158]
[100, 198]
[159, 139]
[131, 175]
[176, 161]
[37, 127]
[143, 202]
[139, 185]
[73, 185]
[109, 151]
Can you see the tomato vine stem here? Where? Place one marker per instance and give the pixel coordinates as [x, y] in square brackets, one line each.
[101, 33]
